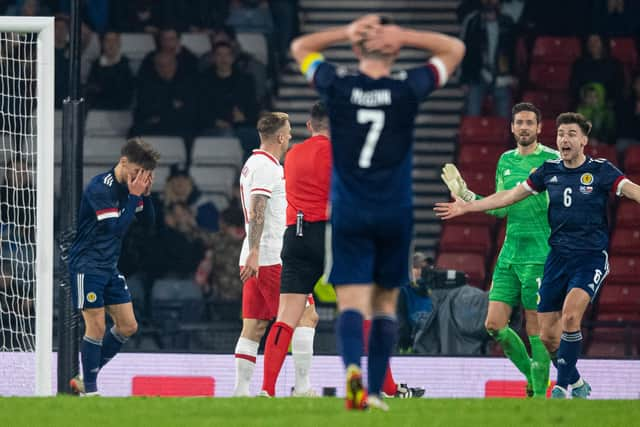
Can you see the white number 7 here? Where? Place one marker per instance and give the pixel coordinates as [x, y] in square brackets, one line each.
[376, 118]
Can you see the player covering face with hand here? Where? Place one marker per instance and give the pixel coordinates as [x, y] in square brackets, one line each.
[110, 203]
[518, 271]
[578, 188]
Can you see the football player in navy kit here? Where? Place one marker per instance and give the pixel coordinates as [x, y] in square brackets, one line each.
[372, 113]
[110, 203]
[579, 188]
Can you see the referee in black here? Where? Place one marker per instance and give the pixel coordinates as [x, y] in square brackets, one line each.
[307, 172]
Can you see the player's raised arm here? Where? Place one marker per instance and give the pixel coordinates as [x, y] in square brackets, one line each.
[449, 50]
[630, 190]
[497, 200]
[302, 46]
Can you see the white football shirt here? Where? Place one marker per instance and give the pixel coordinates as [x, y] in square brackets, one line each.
[263, 174]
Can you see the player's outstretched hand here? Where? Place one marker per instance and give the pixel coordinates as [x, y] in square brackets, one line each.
[448, 210]
[363, 27]
[456, 184]
[138, 184]
[250, 268]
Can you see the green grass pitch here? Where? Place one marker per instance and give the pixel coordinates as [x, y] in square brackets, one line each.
[324, 412]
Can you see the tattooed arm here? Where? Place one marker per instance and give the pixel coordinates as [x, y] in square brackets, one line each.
[256, 225]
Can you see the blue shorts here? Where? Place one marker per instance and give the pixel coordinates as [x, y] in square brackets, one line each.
[95, 290]
[371, 246]
[563, 273]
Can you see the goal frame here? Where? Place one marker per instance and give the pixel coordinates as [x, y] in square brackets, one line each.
[44, 262]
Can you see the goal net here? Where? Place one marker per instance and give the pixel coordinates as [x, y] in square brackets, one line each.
[26, 205]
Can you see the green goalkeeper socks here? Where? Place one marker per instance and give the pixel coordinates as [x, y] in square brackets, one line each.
[515, 350]
[539, 367]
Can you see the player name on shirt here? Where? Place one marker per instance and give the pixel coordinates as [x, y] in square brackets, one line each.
[370, 98]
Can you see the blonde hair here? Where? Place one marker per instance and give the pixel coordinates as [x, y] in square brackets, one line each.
[270, 123]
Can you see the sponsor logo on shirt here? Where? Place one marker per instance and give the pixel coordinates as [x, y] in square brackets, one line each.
[586, 189]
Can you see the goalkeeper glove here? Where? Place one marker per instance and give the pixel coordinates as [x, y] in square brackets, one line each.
[451, 176]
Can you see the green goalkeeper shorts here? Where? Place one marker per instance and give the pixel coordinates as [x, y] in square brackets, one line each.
[513, 284]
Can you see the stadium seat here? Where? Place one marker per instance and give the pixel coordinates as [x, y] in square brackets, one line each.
[550, 103]
[615, 298]
[474, 218]
[548, 133]
[632, 160]
[171, 148]
[479, 157]
[197, 43]
[108, 123]
[102, 151]
[628, 214]
[135, 46]
[623, 270]
[217, 150]
[219, 200]
[480, 182]
[624, 50]
[602, 151]
[556, 50]
[550, 76]
[484, 130]
[472, 264]
[467, 238]
[255, 44]
[214, 179]
[611, 342]
[626, 240]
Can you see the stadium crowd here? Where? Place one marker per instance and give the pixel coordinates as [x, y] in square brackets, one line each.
[192, 252]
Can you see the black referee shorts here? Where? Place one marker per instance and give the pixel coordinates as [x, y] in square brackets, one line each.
[302, 258]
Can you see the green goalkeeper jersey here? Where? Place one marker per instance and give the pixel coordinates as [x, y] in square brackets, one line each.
[526, 240]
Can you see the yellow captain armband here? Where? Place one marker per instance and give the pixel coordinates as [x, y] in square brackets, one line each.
[310, 63]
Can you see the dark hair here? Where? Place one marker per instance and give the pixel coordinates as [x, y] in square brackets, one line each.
[141, 153]
[525, 106]
[384, 20]
[227, 29]
[270, 123]
[233, 217]
[319, 117]
[218, 45]
[577, 118]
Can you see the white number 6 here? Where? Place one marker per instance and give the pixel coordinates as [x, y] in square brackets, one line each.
[376, 118]
[567, 196]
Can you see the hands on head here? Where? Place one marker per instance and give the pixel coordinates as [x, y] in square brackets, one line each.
[375, 36]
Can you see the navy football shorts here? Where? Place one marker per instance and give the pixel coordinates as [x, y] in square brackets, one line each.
[371, 246]
[563, 273]
[97, 289]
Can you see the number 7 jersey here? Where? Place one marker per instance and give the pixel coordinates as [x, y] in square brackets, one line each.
[372, 125]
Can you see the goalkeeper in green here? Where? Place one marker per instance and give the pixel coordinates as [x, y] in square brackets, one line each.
[518, 271]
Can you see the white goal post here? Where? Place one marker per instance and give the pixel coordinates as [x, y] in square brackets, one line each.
[27, 156]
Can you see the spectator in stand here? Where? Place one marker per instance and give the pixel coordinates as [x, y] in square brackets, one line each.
[110, 85]
[61, 46]
[616, 18]
[244, 62]
[629, 117]
[251, 16]
[285, 19]
[17, 197]
[89, 50]
[94, 12]
[217, 274]
[135, 16]
[228, 104]
[28, 8]
[165, 100]
[168, 41]
[595, 65]
[595, 108]
[488, 63]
